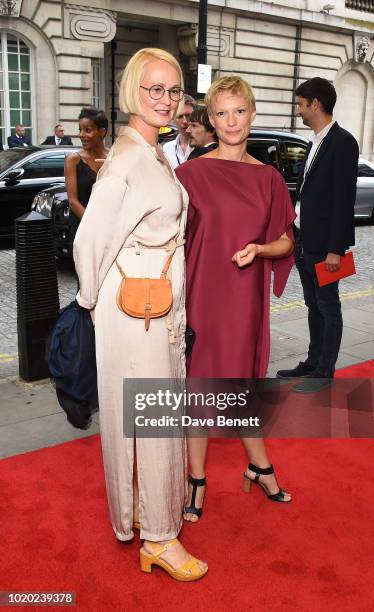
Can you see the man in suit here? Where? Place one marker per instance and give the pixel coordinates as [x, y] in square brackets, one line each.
[59, 138]
[202, 133]
[177, 151]
[325, 198]
[19, 139]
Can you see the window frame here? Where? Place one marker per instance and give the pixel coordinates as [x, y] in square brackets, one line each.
[252, 144]
[285, 145]
[5, 70]
[99, 64]
[41, 158]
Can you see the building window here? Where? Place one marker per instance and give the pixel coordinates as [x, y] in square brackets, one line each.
[15, 85]
[97, 84]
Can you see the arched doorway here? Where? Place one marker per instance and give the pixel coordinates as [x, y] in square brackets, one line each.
[354, 85]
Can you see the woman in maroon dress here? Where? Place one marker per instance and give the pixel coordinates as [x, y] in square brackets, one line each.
[239, 230]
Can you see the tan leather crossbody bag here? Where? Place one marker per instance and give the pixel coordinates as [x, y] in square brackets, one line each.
[145, 298]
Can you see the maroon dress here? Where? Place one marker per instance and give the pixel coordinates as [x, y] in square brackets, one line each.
[232, 204]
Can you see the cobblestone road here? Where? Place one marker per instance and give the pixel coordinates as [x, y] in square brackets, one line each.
[355, 291]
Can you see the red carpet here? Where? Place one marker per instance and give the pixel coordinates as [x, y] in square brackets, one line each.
[359, 370]
[316, 553]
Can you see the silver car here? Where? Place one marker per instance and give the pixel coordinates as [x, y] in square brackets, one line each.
[364, 207]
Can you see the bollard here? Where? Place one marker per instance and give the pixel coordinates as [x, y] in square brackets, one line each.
[37, 293]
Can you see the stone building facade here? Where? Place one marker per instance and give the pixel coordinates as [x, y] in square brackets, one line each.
[57, 56]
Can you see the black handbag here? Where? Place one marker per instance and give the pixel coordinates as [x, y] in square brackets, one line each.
[71, 360]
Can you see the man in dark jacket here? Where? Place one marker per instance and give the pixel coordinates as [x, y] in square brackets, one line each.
[59, 138]
[202, 134]
[325, 198]
[19, 139]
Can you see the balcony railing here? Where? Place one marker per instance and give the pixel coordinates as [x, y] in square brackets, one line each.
[360, 5]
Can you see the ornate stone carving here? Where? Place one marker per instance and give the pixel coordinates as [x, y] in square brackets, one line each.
[187, 39]
[86, 23]
[219, 40]
[11, 8]
[362, 44]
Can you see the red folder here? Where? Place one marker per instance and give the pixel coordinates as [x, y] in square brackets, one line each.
[347, 268]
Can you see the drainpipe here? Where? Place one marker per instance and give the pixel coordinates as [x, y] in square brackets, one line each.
[203, 26]
[296, 74]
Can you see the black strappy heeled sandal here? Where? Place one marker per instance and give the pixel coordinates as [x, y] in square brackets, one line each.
[278, 497]
[191, 509]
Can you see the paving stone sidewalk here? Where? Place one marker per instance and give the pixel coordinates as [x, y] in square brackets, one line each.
[30, 416]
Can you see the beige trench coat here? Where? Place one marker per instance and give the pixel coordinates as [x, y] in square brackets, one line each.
[135, 210]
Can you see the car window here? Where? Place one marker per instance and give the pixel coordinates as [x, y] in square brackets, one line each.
[45, 167]
[365, 170]
[265, 151]
[292, 157]
[8, 158]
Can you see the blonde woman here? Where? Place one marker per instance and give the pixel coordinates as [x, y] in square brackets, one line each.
[239, 228]
[135, 217]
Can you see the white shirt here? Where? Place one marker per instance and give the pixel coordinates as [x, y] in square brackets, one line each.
[57, 140]
[174, 152]
[317, 141]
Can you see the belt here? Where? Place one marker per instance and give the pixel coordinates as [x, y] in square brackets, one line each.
[170, 247]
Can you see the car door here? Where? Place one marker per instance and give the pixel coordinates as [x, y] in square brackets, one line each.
[43, 170]
[292, 154]
[364, 206]
[266, 150]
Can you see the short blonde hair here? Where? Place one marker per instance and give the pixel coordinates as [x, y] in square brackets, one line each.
[231, 84]
[129, 94]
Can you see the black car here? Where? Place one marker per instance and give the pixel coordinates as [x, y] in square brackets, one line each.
[283, 150]
[53, 203]
[23, 173]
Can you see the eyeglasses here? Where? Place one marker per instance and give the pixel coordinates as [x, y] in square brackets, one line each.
[156, 92]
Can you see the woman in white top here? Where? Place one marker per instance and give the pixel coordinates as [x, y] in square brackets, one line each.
[136, 216]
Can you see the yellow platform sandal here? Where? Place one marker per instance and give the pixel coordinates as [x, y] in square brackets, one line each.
[187, 572]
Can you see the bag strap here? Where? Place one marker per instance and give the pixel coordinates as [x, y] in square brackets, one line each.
[120, 270]
[167, 266]
[163, 272]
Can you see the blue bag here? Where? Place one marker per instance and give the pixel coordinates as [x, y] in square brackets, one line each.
[71, 360]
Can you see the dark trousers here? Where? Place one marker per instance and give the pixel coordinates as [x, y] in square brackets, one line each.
[324, 314]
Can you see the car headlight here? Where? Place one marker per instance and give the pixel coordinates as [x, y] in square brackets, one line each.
[35, 202]
[42, 203]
